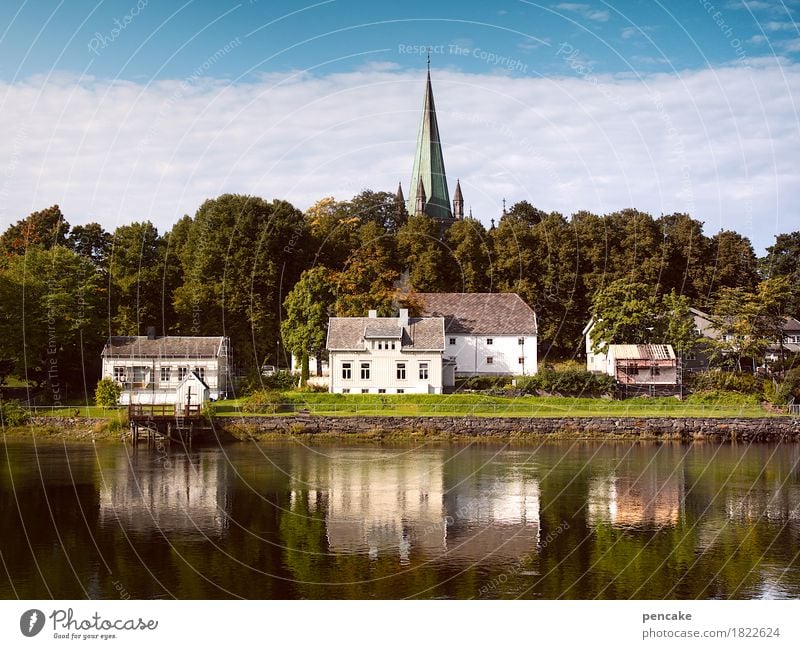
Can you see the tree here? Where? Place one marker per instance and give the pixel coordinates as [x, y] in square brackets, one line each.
[730, 263]
[423, 255]
[783, 260]
[307, 309]
[136, 269]
[46, 229]
[52, 316]
[242, 256]
[624, 313]
[370, 277]
[748, 322]
[92, 242]
[107, 393]
[470, 246]
[679, 328]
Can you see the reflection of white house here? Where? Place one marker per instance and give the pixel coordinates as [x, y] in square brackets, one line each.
[182, 497]
[387, 355]
[497, 521]
[159, 369]
[383, 504]
[486, 333]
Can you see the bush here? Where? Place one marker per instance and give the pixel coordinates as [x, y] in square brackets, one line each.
[789, 389]
[573, 381]
[282, 380]
[209, 410]
[482, 382]
[263, 402]
[12, 414]
[723, 381]
[723, 398]
[107, 393]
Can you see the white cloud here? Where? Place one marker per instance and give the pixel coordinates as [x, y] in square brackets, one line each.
[721, 144]
[776, 26]
[585, 11]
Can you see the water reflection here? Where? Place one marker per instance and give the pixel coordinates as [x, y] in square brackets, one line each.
[457, 521]
[175, 495]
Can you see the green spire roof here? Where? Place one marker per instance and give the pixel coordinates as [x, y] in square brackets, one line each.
[429, 163]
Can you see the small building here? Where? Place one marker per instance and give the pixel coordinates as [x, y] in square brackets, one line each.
[647, 368]
[486, 334]
[400, 355]
[790, 344]
[166, 369]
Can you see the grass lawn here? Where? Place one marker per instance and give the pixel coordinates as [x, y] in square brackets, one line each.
[486, 406]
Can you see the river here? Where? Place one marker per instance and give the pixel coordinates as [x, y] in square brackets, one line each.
[553, 520]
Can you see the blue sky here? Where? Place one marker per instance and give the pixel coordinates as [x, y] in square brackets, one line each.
[162, 40]
[136, 109]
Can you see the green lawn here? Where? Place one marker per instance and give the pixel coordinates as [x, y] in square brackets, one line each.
[485, 406]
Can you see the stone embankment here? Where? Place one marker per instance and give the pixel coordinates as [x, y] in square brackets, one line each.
[718, 429]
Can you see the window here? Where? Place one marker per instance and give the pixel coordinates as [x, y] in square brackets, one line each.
[521, 360]
[364, 390]
[423, 371]
[452, 341]
[165, 374]
[400, 391]
[347, 371]
[521, 341]
[201, 372]
[182, 372]
[489, 360]
[380, 344]
[393, 344]
[630, 370]
[345, 390]
[401, 371]
[490, 341]
[381, 390]
[691, 356]
[119, 374]
[365, 371]
[655, 370]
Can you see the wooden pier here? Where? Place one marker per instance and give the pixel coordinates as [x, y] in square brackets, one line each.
[166, 422]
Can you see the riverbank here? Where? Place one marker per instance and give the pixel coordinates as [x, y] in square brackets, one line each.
[232, 429]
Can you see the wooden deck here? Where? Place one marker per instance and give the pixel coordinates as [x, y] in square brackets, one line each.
[166, 422]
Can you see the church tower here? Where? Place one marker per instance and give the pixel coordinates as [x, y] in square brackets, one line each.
[428, 179]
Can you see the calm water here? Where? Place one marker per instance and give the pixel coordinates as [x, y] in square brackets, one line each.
[561, 520]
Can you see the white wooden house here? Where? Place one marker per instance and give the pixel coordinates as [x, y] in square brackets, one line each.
[158, 369]
[489, 334]
[387, 355]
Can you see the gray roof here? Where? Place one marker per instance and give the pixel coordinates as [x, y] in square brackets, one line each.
[163, 347]
[422, 334]
[481, 313]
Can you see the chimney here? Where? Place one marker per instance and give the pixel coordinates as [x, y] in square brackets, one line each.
[403, 318]
[373, 313]
[151, 333]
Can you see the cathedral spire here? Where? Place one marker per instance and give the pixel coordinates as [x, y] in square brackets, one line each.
[420, 203]
[458, 202]
[400, 197]
[429, 163]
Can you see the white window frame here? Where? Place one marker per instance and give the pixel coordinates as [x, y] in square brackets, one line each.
[400, 371]
[489, 341]
[490, 360]
[424, 370]
[119, 373]
[164, 374]
[347, 370]
[365, 370]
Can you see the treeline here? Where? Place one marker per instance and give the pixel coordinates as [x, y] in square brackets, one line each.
[229, 269]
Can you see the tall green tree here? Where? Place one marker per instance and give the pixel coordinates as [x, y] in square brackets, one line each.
[242, 256]
[783, 260]
[470, 248]
[305, 324]
[52, 318]
[625, 312]
[46, 228]
[424, 257]
[92, 242]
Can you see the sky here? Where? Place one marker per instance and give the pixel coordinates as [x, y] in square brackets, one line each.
[130, 110]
